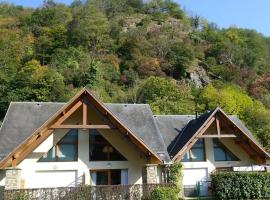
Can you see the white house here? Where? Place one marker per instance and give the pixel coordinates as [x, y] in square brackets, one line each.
[85, 141]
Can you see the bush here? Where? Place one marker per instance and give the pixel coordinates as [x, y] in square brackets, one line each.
[244, 185]
[164, 193]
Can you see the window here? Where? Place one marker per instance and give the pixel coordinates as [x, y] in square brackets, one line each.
[109, 177]
[65, 150]
[196, 153]
[101, 150]
[221, 153]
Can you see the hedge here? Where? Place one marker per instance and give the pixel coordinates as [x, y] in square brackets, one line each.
[164, 193]
[241, 185]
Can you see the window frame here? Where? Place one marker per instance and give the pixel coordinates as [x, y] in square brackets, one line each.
[223, 148]
[109, 175]
[105, 143]
[57, 158]
[194, 147]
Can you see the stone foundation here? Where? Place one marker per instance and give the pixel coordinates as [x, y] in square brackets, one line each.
[13, 178]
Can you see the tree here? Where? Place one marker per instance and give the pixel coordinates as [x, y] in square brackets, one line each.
[37, 83]
[165, 97]
[180, 56]
[90, 28]
[76, 66]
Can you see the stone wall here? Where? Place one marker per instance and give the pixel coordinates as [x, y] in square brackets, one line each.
[13, 178]
[150, 174]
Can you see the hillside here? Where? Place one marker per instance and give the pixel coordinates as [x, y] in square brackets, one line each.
[130, 51]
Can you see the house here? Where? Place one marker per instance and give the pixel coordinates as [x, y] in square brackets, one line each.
[86, 141]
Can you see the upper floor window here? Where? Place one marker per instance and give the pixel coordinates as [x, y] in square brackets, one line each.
[222, 153]
[196, 153]
[64, 150]
[101, 150]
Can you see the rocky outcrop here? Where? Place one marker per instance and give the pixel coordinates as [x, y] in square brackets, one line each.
[198, 75]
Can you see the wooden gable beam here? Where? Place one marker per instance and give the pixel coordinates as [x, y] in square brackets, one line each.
[84, 114]
[30, 148]
[245, 139]
[57, 119]
[193, 140]
[249, 151]
[124, 130]
[37, 138]
[71, 126]
[218, 136]
[217, 125]
[68, 113]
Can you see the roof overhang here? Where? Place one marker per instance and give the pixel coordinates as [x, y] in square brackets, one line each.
[245, 138]
[43, 132]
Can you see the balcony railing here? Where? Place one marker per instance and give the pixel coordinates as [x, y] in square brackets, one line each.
[112, 192]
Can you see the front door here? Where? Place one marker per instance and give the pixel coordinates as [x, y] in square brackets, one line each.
[109, 177]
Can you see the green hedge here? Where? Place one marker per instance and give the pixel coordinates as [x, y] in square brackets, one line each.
[241, 185]
[165, 193]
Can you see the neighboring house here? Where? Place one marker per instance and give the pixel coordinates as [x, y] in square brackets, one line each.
[86, 141]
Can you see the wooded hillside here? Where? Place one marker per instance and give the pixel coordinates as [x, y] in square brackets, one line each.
[134, 52]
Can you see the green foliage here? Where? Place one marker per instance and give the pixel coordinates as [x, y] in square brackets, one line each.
[117, 46]
[180, 57]
[165, 97]
[90, 27]
[244, 185]
[164, 193]
[230, 98]
[172, 192]
[175, 174]
[234, 101]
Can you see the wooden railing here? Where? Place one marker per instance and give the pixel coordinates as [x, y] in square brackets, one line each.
[112, 192]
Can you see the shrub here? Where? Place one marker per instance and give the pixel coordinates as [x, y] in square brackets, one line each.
[175, 174]
[164, 193]
[244, 185]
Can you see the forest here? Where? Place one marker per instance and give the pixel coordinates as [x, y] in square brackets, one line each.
[135, 51]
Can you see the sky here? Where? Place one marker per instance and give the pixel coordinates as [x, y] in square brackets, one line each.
[252, 14]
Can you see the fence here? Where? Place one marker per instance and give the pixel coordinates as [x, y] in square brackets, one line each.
[201, 189]
[117, 192]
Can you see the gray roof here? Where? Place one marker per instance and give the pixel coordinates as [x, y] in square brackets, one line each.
[186, 127]
[164, 134]
[171, 125]
[178, 129]
[23, 118]
[139, 119]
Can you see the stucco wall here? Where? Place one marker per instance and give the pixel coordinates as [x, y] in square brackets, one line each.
[210, 164]
[135, 159]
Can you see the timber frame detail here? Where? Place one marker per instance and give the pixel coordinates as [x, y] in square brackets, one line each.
[83, 99]
[240, 137]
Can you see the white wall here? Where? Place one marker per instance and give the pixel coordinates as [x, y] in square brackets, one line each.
[135, 159]
[210, 164]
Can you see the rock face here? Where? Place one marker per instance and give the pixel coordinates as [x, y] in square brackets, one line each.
[198, 75]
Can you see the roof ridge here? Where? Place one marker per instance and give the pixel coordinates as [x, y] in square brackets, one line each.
[171, 115]
[158, 132]
[33, 102]
[127, 103]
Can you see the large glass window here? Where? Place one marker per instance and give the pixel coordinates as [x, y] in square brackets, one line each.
[221, 153]
[101, 150]
[196, 153]
[109, 177]
[65, 150]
